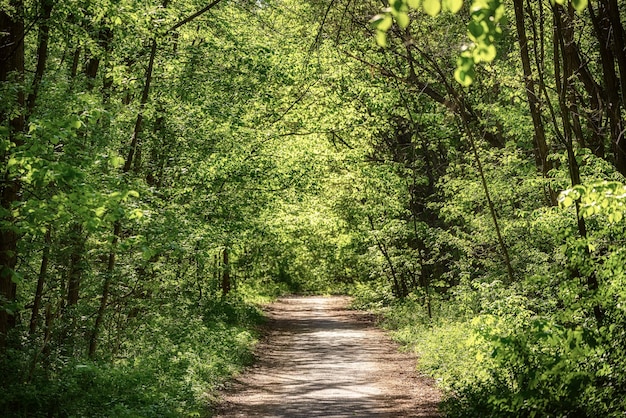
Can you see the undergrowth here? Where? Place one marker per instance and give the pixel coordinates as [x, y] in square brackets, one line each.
[497, 356]
[172, 366]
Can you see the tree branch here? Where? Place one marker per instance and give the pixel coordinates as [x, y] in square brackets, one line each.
[195, 15]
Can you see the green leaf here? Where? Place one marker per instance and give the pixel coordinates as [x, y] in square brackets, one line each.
[567, 201]
[76, 124]
[381, 38]
[579, 5]
[464, 77]
[486, 53]
[16, 277]
[136, 214]
[402, 19]
[498, 15]
[452, 5]
[117, 161]
[617, 216]
[396, 5]
[382, 22]
[475, 29]
[413, 3]
[432, 7]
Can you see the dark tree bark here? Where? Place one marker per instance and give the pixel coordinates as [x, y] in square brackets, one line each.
[603, 30]
[104, 299]
[11, 70]
[226, 282]
[564, 70]
[592, 101]
[105, 36]
[75, 62]
[76, 264]
[611, 41]
[539, 137]
[134, 143]
[41, 280]
[42, 53]
[399, 286]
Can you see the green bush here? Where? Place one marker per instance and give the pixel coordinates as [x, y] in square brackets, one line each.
[170, 368]
[509, 361]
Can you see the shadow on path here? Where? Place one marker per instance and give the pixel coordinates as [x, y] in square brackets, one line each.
[321, 360]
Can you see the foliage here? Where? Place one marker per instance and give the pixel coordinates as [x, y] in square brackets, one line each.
[167, 164]
[172, 370]
[483, 28]
[594, 198]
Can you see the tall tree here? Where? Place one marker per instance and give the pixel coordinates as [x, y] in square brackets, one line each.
[12, 125]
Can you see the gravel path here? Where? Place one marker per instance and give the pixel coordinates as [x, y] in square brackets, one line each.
[322, 360]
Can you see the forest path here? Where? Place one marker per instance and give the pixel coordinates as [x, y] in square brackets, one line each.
[322, 360]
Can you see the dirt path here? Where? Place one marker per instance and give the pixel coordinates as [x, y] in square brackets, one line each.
[321, 360]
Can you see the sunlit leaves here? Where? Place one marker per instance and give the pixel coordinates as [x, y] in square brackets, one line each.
[383, 22]
[579, 5]
[116, 161]
[483, 29]
[604, 198]
[452, 5]
[381, 38]
[432, 7]
[464, 72]
[403, 20]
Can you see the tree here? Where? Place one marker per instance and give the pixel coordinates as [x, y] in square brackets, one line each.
[12, 125]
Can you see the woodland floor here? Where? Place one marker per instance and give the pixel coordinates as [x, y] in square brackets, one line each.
[322, 360]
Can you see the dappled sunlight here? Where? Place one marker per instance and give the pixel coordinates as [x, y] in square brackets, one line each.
[322, 361]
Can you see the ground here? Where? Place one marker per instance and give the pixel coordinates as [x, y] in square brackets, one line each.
[322, 360]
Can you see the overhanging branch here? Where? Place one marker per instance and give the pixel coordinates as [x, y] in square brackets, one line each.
[195, 15]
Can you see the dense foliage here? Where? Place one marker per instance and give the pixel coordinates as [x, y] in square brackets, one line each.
[168, 164]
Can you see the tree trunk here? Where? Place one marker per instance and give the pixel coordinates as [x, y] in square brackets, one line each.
[76, 264]
[105, 36]
[603, 30]
[134, 143]
[41, 279]
[398, 291]
[226, 283]
[11, 70]
[539, 137]
[42, 53]
[75, 62]
[104, 299]
[563, 35]
[611, 26]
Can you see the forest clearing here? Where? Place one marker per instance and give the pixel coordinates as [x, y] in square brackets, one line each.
[453, 167]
